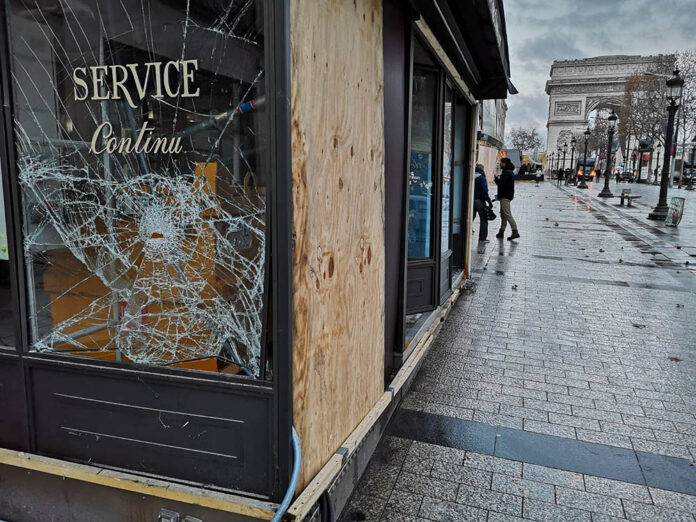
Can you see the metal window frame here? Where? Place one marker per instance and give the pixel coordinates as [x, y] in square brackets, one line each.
[278, 263]
[445, 80]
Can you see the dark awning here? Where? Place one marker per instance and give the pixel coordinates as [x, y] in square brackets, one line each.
[473, 34]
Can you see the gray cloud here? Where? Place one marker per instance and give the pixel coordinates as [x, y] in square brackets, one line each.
[540, 31]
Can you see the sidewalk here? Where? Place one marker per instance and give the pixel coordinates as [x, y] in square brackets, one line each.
[564, 388]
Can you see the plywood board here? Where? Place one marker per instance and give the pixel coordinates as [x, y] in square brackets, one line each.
[338, 221]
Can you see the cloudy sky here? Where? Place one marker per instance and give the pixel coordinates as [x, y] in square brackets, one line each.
[541, 31]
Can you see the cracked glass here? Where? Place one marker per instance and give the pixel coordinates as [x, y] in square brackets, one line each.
[141, 139]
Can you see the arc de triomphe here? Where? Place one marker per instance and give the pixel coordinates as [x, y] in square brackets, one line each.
[577, 87]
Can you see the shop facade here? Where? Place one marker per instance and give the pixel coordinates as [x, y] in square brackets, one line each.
[223, 220]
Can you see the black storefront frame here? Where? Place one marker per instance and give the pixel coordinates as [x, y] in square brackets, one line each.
[445, 80]
[278, 266]
[431, 263]
[403, 337]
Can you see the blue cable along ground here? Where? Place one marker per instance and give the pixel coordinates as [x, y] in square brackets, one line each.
[294, 478]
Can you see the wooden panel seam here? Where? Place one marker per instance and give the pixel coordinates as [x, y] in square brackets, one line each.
[143, 485]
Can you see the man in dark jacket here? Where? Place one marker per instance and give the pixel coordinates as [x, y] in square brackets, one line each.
[481, 201]
[506, 193]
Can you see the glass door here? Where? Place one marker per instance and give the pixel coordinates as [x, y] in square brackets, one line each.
[421, 184]
[446, 195]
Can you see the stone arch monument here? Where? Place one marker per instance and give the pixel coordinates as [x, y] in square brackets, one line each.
[577, 87]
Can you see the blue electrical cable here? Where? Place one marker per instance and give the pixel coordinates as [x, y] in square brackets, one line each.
[294, 478]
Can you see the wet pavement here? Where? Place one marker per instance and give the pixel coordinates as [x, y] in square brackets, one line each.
[564, 387]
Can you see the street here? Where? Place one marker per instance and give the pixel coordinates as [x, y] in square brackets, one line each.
[563, 387]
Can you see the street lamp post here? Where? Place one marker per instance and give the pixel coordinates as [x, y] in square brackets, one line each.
[633, 162]
[606, 193]
[674, 86]
[558, 162]
[572, 156]
[659, 148]
[549, 165]
[582, 184]
[628, 150]
[565, 149]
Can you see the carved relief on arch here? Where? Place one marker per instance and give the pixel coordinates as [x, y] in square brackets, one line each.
[564, 137]
[587, 88]
[567, 107]
[601, 102]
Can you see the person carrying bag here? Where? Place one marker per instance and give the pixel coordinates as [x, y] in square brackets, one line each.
[483, 206]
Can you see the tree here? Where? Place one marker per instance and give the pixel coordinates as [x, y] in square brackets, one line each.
[643, 111]
[644, 103]
[686, 62]
[525, 139]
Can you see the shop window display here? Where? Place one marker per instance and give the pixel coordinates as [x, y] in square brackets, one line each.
[141, 139]
[447, 172]
[420, 180]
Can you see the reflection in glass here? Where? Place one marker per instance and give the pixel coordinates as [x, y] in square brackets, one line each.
[141, 135]
[458, 165]
[420, 200]
[7, 304]
[447, 172]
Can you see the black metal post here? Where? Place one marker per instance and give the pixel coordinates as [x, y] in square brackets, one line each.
[583, 184]
[606, 192]
[659, 213]
[658, 162]
[549, 165]
[572, 156]
[633, 162]
[628, 150]
[565, 148]
[558, 163]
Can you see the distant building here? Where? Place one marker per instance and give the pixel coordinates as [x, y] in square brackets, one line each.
[491, 131]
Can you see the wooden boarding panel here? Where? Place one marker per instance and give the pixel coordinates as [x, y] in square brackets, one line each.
[338, 221]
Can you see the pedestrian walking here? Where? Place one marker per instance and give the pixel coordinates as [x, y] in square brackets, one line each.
[482, 202]
[559, 177]
[506, 193]
[537, 176]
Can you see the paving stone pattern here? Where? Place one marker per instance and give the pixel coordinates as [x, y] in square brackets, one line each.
[585, 328]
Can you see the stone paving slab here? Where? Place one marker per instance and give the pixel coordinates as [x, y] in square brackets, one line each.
[583, 330]
[499, 492]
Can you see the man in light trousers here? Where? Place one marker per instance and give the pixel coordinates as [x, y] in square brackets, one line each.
[506, 193]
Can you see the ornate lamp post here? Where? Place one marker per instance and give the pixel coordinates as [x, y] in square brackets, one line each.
[558, 161]
[582, 184]
[674, 86]
[659, 148]
[572, 156]
[628, 150]
[606, 193]
[565, 149]
[549, 165]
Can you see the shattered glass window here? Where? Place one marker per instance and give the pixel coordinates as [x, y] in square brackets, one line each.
[141, 139]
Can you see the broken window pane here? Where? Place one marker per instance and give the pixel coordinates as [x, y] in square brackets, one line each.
[141, 140]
